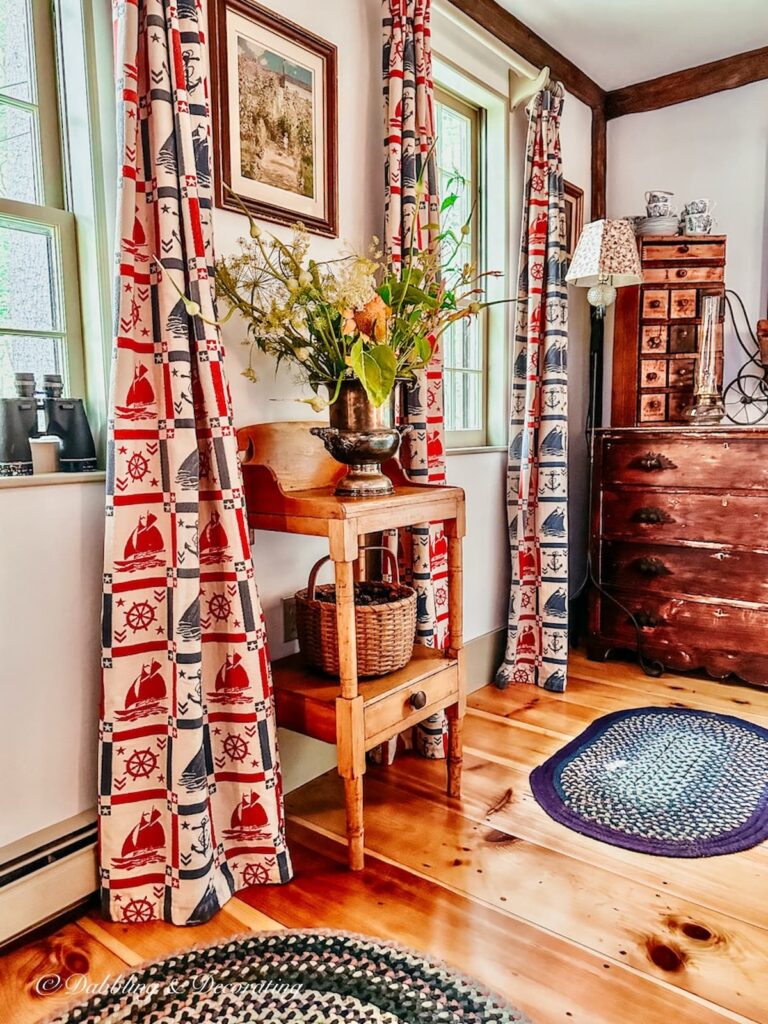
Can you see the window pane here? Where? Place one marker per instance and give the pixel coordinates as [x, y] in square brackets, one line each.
[16, 63]
[19, 155]
[20, 354]
[29, 292]
[463, 400]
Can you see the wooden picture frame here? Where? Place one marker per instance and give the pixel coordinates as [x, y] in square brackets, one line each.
[282, 168]
[574, 216]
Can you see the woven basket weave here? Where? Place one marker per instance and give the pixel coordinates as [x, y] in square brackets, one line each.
[385, 632]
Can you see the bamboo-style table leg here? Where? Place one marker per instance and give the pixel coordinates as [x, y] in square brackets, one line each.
[350, 728]
[455, 713]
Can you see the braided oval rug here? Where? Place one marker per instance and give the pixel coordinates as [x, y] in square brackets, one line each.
[674, 782]
[303, 977]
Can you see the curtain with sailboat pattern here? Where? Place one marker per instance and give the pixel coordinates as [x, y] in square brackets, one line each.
[189, 800]
[411, 219]
[537, 474]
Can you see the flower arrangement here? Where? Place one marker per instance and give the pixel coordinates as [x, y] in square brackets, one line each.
[351, 317]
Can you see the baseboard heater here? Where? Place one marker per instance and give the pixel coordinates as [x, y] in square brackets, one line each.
[44, 875]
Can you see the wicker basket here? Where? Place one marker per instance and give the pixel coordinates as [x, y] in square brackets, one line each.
[385, 632]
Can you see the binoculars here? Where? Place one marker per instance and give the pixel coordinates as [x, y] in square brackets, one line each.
[64, 418]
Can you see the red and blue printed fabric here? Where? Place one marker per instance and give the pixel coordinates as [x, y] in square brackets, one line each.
[190, 801]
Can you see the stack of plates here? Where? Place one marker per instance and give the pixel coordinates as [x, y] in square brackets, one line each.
[657, 226]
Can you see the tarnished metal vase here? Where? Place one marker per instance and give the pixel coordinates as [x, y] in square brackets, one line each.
[361, 437]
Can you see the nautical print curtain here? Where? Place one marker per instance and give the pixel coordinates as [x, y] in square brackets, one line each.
[537, 474]
[190, 804]
[411, 219]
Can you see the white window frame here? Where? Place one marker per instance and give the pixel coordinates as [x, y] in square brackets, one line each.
[494, 237]
[52, 215]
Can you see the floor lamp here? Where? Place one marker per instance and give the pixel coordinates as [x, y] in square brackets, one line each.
[606, 258]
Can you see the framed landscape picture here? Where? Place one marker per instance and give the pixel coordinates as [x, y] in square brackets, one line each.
[274, 117]
[574, 216]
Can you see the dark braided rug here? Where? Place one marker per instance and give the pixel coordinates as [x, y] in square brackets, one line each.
[309, 977]
[675, 782]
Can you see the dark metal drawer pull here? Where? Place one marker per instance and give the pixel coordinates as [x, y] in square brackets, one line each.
[681, 272]
[652, 462]
[418, 700]
[651, 514]
[647, 620]
[655, 303]
[651, 567]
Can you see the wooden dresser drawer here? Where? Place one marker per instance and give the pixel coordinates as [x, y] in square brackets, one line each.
[678, 625]
[687, 459]
[667, 516]
[682, 303]
[728, 574]
[689, 251]
[655, 304]
[654, 339]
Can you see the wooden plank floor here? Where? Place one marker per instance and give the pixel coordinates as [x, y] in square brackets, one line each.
[571, 930]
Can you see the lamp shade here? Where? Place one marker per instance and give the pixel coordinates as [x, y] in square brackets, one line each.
[606, 253]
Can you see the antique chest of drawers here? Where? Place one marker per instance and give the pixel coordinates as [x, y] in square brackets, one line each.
[657, 324]
[680, 539]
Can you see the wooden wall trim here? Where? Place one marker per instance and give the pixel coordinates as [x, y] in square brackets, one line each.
[599, 154]
[690, 84]
[513, 33]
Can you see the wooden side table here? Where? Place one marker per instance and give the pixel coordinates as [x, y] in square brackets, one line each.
[289, 480]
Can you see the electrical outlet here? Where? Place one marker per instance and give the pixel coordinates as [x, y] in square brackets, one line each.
[289, 619]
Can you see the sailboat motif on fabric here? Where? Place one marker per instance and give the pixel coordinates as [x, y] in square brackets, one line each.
[248, 820]
[214, 543]
[145, 547]
[232, 683]
[146, 695]
[136, 245]
[144, 844]
[140, 397]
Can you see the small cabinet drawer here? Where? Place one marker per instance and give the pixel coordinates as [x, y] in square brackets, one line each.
[681, 372]
[703, 248]
[653, 407]
[653, 373]
[395, 711]
[654, 339]
[725, 573]
[687, 459]
[682, 303]
[655, 303]
[675, 275]
[682, 338]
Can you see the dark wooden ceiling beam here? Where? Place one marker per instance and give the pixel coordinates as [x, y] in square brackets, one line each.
[690, 84]
[510, 30]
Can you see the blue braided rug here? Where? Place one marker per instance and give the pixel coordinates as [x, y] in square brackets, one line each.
[668, 781]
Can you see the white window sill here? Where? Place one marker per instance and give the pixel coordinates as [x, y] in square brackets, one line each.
[49, 479]
[480, 450]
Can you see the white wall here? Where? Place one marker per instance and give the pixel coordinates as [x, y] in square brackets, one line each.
[715, 147]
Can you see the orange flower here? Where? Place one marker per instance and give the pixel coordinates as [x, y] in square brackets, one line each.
[348, 325]
[372, 318]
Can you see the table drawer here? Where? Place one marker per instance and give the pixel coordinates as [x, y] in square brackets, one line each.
[682, 303]
[654, 339]
[391, 713]
[675, 275]
[728, 574]
[681, 460]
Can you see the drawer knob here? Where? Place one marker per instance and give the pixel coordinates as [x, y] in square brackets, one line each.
[418, 700]
[682, 272]
[682, 249]
[651, 514]
[655, 304]
[651, 567]
[652, 462]
[647, 620]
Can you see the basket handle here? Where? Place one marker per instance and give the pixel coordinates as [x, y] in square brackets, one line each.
[392, 567]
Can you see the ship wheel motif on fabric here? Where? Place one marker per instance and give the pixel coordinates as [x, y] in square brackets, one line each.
[235, 748]
[255, 874]
[141, 763]
[138, 466]
[138, 911]
[140, 615]
[219, 607]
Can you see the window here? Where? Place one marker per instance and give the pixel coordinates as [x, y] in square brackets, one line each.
[39, 294]
[465, 356]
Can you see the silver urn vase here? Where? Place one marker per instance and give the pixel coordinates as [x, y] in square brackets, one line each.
[361, 437]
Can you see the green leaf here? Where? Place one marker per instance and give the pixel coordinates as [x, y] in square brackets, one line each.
[448, 202]
[375, 368]
[423, 349]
